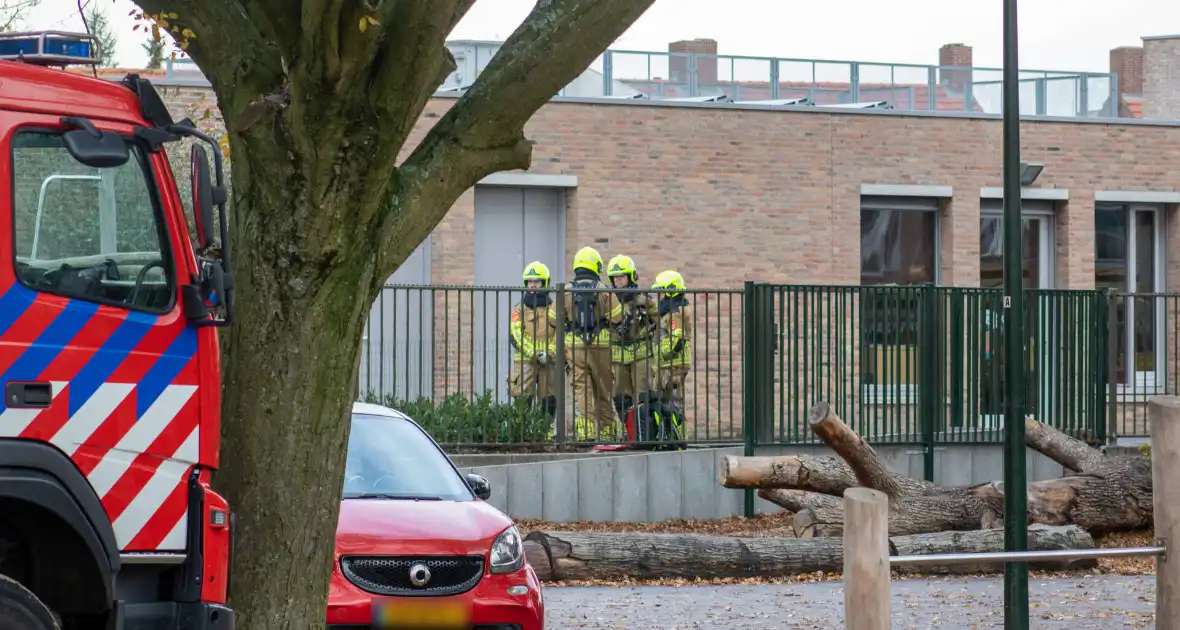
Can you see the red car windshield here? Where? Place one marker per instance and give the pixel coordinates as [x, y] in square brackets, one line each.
[391, 458]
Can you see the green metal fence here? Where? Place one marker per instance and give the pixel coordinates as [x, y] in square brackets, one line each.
[1144, 346]
[446, 356]
[901, 364]
[920, 364]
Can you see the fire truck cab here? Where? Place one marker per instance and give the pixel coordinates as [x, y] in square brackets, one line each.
[109, 358]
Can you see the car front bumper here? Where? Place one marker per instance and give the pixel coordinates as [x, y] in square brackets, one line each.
[492, 606]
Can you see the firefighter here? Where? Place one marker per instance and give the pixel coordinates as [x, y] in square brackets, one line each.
[673, 336]
[533, 335]
[631, 347]
[590, 314]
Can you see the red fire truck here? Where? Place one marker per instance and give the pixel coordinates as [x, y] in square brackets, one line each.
[109, 305]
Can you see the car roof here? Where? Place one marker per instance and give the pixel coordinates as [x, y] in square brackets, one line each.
[377, 410]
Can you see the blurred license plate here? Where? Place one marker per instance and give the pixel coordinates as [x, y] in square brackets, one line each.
[421, 614]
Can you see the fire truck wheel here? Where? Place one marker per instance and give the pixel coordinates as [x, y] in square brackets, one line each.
[20, 608]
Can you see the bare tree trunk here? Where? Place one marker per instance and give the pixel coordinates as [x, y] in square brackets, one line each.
[1040, 538]
[1074, 454]
[289, 382]
[1110, 494]
[815, 474]
[606, 556]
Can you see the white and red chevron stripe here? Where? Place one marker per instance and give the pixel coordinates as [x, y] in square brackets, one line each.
[138, 468]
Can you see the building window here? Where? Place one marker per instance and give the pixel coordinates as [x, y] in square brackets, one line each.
[898, 246]
[1037, 246]
[1129, 259]
[1037, 266]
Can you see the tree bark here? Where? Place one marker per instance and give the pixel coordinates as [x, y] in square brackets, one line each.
[802, 472]
[866, 465]
[1113, 496]
[1074, 454]
[955, 509]
[1040, 538]
[1110, 494]
[572, 556]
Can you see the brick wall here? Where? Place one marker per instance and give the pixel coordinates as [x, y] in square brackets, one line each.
[726, 195]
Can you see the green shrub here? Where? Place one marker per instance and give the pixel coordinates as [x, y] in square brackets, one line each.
[458, 419]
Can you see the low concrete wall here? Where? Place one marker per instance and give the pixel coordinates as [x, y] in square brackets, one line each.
[650, 487]
[499, 459]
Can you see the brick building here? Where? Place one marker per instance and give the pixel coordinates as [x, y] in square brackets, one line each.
[729, 192]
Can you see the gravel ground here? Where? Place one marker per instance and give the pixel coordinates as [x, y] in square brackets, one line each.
[1091, 601]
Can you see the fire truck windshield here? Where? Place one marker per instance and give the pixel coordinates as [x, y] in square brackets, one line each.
[96, 234]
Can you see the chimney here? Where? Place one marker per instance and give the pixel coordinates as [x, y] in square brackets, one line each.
[706, 66]
[1126, 63]
[1161, 77]
[954, 55]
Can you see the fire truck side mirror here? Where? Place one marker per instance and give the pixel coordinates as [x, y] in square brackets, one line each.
[202, 185]
[94, 147]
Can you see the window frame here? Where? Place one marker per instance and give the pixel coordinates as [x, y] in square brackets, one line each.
[141, 154]
[1128, 389]
[1044, 210]
[1041, 209]
[876, 394]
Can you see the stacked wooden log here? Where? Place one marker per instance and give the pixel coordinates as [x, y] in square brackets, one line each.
[1102, 494]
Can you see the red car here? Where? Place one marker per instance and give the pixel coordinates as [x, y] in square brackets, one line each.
[417, 547]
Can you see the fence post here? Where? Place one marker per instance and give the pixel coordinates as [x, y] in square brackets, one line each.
[1112, 365]
[559, 394]
[1164, 415]
[749, 384]
[931, 333]
[866, 560]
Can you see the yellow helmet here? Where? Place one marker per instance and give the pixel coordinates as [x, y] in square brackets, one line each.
[589, 259]
[670, 281]
[536, 270]
[622, 266]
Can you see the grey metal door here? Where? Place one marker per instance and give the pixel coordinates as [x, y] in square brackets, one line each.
[397, 355]
[513, 226]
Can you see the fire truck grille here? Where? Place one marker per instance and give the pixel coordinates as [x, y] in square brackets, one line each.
[394, 575]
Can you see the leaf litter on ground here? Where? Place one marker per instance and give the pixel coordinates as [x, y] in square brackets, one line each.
[779, 525]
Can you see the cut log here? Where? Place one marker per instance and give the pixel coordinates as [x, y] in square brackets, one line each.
[870, 471]
[578, 556]
[1072, 453]
[816, 515]
[613, 555]
[1040, 538]
[823, 474]
[956, 509]
[1109, 494]
[1113, 496]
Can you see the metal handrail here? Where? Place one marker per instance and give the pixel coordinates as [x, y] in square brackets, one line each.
[1022, 556]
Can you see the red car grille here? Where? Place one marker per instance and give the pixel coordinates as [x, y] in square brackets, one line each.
[391, 575]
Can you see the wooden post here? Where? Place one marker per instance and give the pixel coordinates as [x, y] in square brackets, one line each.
[1164, 415]
[866, 559]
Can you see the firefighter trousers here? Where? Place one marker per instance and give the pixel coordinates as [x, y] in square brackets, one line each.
[531, 378]
[594, 411]
[671, 383]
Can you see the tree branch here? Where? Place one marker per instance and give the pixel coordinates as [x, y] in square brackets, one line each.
[239, 61]
[484, 132]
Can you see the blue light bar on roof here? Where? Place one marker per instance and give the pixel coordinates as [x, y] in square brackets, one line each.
[49, 48]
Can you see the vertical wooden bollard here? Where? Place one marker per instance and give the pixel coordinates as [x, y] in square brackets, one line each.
[1164, 414]
[866, 559]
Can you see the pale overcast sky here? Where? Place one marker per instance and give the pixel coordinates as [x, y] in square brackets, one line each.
[1055, 34]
